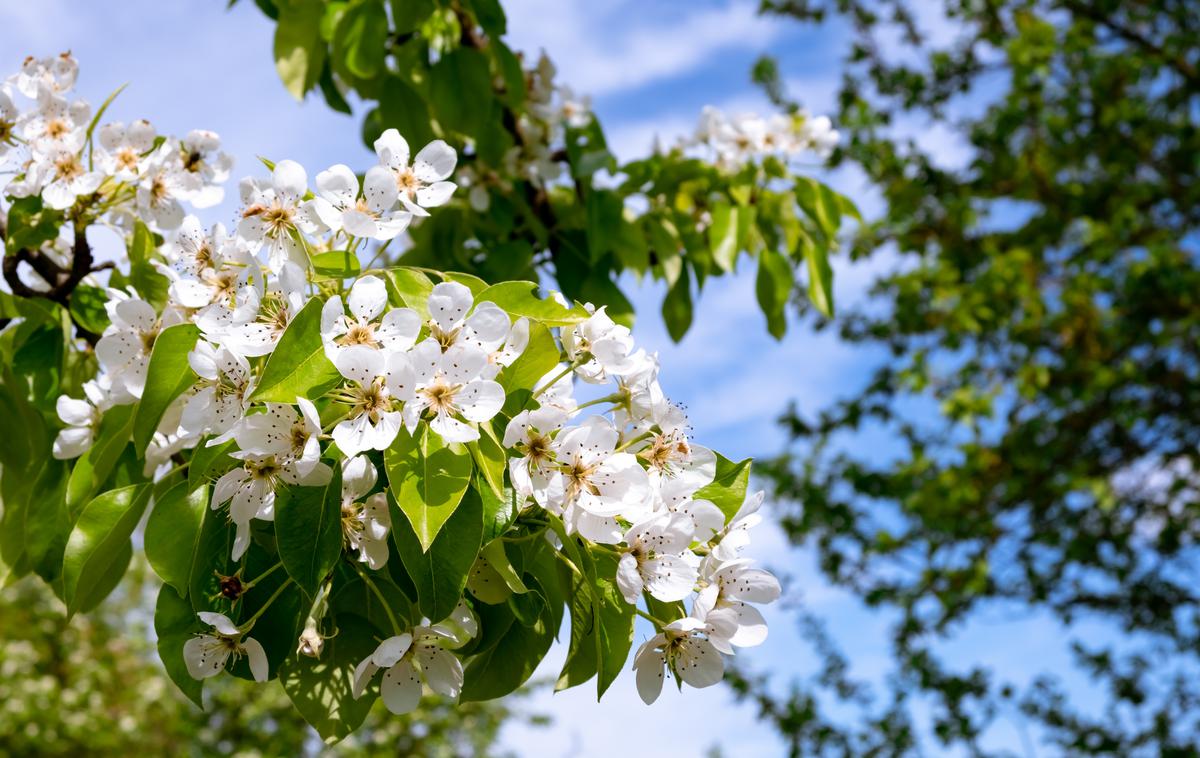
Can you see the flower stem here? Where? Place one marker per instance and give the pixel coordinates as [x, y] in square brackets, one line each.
[635, 440]
[613, 398]
[382, 600]
[248, 625]
[657, 622]
[570, 367]
[250, 585]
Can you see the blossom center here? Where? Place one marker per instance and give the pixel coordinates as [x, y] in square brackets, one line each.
[360, 333]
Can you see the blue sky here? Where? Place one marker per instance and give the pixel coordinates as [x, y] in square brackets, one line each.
[650, 66]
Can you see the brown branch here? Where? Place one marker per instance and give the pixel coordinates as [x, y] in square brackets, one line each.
[62, 282]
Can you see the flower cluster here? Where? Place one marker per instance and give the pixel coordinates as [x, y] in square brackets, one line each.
[372, 366]
[734, 141]
[64, 157]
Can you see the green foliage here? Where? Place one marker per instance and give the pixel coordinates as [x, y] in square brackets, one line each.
[428, 478]
[92, 686]
[1042, 310]
[298, 366]
[442, 70]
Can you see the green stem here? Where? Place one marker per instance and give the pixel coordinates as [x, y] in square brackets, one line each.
[250, 585]
[570, 367]
[613, 398]
[658, 623]
[383, 601]
[248, 625]
[635, 440]
[378, 253]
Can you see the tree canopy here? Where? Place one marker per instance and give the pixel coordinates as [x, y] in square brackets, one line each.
[1041, 381]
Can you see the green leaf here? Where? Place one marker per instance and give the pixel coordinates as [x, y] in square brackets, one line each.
[321, 688]
[360, 40]
[299, 48]
[511, 660]
[87, 308]
[93, 468]
[723, 235]
[402, 108]
[773, 287]
[504, 665]
[298, 366]
[440, 573]
[167, 376]
[614, 623]
[209, 463]
[603, 209]
[412, 288]
[30, 225]
[172, 532]
[540, 357]
[486, 584]
[174, 624]
[490, 459]
[727, 490]
[337, 264]
[820, 275]
[213, 549]
[677, 306]
[308, 531]
[520, 299]
[498, 512]
[427, 477]
[99, 545]
[495, 554]
[461, 90]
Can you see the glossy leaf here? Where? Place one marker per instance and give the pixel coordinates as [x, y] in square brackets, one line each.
[167, 376]
[440, 573]
[427, 477]
[298, 366]
[99, 545]
[172, 532]
[728, 488]
[308, 531]
[174, 624]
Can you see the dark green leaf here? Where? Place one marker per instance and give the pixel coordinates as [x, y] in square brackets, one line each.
[172, 532]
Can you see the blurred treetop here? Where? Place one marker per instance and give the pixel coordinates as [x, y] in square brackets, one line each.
[1042, 320]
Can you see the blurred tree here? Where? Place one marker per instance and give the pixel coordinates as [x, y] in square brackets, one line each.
[1043, 329]
[93, 686]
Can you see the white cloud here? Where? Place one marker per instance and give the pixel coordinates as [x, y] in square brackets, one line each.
[618, 45]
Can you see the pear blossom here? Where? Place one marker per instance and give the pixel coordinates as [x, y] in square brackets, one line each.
[653, 560]
[365, 524]
[207, 654]
[273, 216]
[732, 586]
[449, 385]
[455, 317]
[424, 654]
[421, 185]
[369, 323]
[682, 647]
[529, 433]
[603, 347]
[51, 75]
[377, 384]
[259, 335]
[124, 349]
[201, 156]
[281, 431]
[250, 491]
[124, 149]
[593, 483]
[221, 398]
[82, 417]
[731, 540]
[65, 178]
[56, 125]
[339, 206]
[163, 188]
[8, 123]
